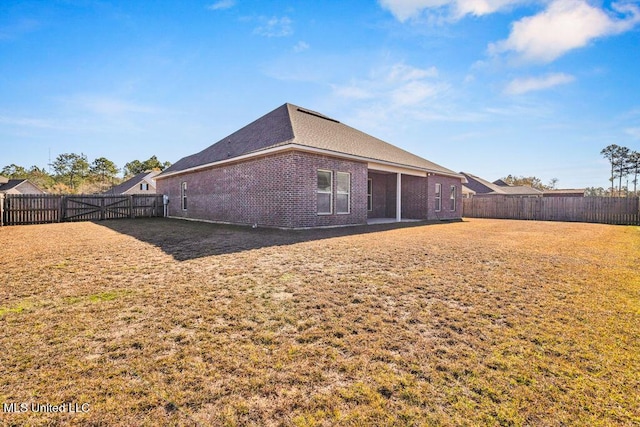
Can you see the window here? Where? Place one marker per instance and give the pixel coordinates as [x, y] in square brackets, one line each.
[369, 194]
[144, 186]
[438, 197]
[184, 196]
[453, 198]
[325, 192]
[343, 195]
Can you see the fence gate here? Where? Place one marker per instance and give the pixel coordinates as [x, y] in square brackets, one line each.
[87, 208]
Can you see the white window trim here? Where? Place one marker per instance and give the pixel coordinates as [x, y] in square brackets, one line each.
[369, 195]
[183, 195]
[438, 194]
[453, 197]
[348, 193]
[330, 193]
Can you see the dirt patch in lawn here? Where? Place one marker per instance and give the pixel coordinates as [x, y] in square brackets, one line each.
[169, 322]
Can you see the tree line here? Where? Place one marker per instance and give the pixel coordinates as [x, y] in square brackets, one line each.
[530, 181]
[625, 164]
[72, 173]
[625, 169]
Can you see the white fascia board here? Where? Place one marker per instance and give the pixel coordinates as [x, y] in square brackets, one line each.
[382, 167]
[377, 164]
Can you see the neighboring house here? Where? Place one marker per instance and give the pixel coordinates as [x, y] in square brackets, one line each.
[142, 183]
[483, 187]
[18, 186]
[467, 192]
[296, 168]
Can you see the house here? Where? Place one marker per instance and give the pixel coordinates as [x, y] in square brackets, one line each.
[296, 168]
[480, 187]
[142, 183]
[18, 186]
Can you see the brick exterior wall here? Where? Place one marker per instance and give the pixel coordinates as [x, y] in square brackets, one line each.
[445, 212]
[280, 191]
[274, 191]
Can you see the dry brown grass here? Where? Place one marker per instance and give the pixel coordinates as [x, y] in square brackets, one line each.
[483, 322]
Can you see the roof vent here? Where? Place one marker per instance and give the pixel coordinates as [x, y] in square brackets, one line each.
[313, 113]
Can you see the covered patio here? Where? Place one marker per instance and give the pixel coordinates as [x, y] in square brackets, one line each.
[394, 193]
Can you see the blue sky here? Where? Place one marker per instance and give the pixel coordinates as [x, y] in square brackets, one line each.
[490, 87]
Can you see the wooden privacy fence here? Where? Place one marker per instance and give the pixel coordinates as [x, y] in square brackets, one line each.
[18, 209]
[605, 210]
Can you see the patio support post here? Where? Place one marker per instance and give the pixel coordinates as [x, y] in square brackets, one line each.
[398, 197]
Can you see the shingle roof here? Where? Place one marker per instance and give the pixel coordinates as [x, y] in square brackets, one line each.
[481, 186]
[11, 183]
[521, 190]
[131, 182]
[290, 124]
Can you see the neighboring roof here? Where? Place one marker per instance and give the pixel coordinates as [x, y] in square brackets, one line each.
[10, 184]
[132, 182]
[292, 125]
[482, 186]
[479, 185]
[518, 190]
[467, 190]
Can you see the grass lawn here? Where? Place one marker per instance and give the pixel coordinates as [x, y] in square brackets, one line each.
[168, 322]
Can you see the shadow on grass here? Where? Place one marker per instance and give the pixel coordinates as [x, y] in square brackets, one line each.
[185, 240]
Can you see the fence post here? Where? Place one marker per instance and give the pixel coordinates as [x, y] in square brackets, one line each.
[63, 208]
[131, 210]
[1, 209]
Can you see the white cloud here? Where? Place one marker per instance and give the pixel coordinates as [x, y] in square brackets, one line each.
[413, 93]
[222, 4]
[482, 7]
[352, 92]
[633, 132]
[275, 27]
[108, 106]
[301, 47]
[404, 10]
[563, 26]
[529, 84]
[401, 72]
[31, 122]
[397, 85]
